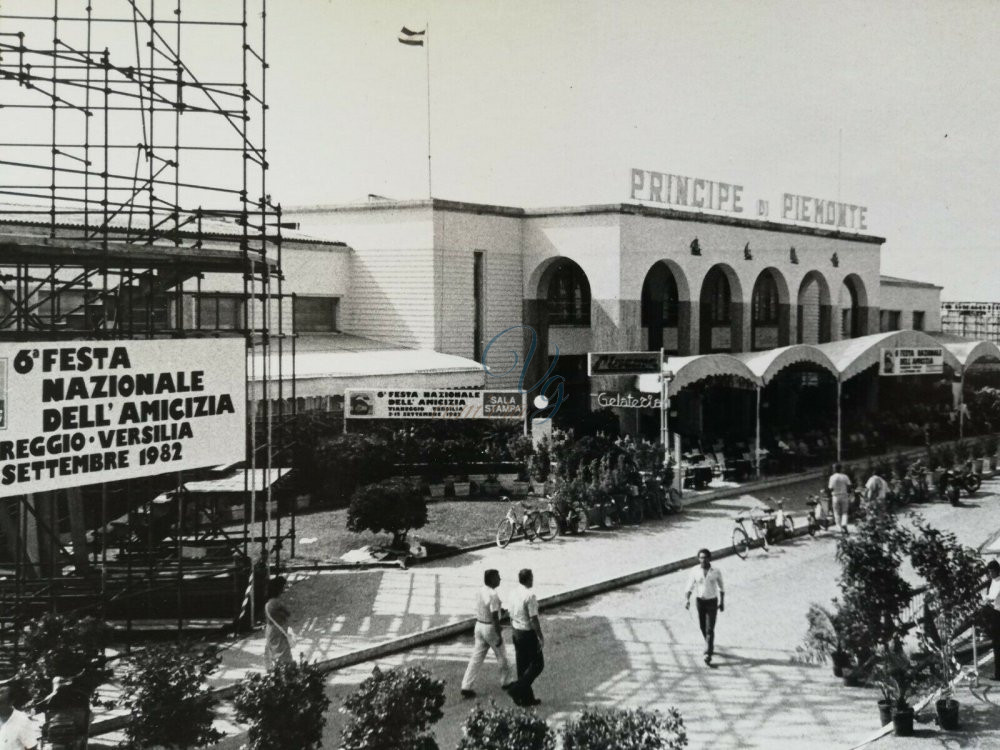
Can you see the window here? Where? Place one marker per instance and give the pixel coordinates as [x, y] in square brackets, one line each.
[218, 312]
[568, 296]
[315, 314]
[889, 320]
[765, 301]
[719, 299]
[918, 320]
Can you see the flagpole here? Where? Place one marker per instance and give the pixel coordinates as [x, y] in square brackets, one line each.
[427, 37]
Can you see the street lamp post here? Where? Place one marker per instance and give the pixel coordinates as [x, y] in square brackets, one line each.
[665, 377]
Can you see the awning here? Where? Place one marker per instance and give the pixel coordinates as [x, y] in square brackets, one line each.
[325, 366]
[842, 359]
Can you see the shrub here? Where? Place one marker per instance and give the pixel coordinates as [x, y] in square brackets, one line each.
[392, 506]
[393, 710]
[540, 463]
[990, 445]
[164, 691]
[284, 707]
[54, 646]
[961, 451]
[492, 728]
[822, 638]
[625, 729]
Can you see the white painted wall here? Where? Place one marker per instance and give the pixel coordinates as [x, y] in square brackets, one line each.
[909, 298]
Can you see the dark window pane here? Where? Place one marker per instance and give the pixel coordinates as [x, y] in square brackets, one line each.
[315, 314]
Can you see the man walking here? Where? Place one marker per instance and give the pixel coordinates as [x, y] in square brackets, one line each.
[876, 492]
[487, 634]
[528, 640]
[710, 596]
[839, 488]
[17, 731]
[990, 614]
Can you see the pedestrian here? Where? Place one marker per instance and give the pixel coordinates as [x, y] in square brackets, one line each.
[17, 731]
[528, 640]
[277, 638]
[839, 487]
[710, 599]
[487, 634]
[876, 492]
[990, 613]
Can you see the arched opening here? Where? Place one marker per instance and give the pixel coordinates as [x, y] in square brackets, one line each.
[769, 311]
[567, 294]
[814, 310]
[853, 304]
[660, 309]
[720, 311]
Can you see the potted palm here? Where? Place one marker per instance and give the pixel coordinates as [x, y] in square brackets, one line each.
[823, 641]
[897, 677]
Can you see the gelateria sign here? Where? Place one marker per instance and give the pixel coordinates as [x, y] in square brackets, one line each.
[699, 193]
[82, 412]
[611, 400]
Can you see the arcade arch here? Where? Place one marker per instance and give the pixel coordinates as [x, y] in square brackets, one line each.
[721, 311]
[813, 310]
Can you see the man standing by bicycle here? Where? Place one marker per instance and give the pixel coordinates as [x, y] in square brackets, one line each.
[839, 488]
[710, 596]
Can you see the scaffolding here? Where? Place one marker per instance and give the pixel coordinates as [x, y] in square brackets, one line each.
[130, 174]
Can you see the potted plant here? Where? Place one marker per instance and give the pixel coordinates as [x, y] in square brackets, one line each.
[954, 575]
[823, 641]
[521, 484]
[462, 485]
[898, 677]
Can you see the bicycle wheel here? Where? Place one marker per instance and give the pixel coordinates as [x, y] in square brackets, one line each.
[546, 526]
[505, 532]
[788, 527]
[972, 484]
[811, 524]
[530, 526]
[577, 519]
[741, 543]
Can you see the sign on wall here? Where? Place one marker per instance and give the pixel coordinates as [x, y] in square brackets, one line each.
[624, 363]
[433, 403]
[83, 412]
[911, 361]
[613, 400]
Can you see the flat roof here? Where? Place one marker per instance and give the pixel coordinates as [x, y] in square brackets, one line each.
[896, 281]
[624, 209]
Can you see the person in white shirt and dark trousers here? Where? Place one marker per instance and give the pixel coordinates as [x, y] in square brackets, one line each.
[710, 596]
[528, 640]
[487, 634]
[17, 731]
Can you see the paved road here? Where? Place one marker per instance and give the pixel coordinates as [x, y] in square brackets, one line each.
[639, 647]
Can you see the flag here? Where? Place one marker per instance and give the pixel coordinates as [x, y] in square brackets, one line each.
[413, 38]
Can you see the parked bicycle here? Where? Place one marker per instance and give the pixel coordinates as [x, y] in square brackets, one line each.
[531, 522]
[658, 499]
[817, 517]
[760, 527]
[571, 518]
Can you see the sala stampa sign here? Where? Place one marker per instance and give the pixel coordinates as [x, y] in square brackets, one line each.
[83, 412]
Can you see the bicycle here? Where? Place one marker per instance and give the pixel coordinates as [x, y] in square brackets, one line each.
[571, 518]
[816, 520]
[529, 521]
[763, 525]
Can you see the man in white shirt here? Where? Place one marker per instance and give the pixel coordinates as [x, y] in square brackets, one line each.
[839, 487]
[528, 640]
[17, 731]
[487, 634]
[710, 599]
[876, 491]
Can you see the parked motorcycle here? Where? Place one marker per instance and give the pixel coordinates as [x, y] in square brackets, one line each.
[948, 486]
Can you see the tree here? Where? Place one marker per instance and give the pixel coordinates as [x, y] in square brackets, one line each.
[346, 462]
[873, 592]
[165, 693]
[392, 506]
[285, 707]
[392, 710]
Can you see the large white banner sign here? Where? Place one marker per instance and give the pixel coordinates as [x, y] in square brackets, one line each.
[433, 403]
[81, 412]
[911, 361]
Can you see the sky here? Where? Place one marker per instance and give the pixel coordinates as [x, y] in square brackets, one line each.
[889, 105]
